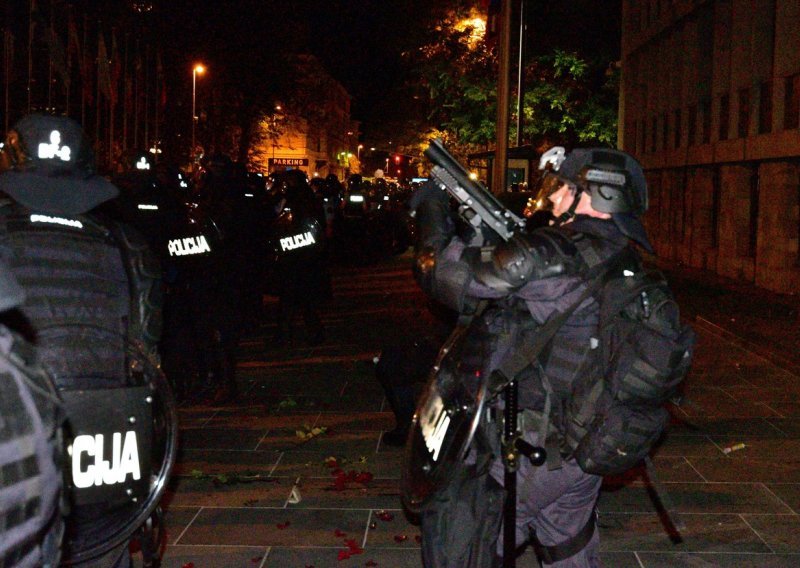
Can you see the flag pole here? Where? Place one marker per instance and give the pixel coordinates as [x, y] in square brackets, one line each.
[31, 8]
[125, 96]
[8, 45]
[146, 95]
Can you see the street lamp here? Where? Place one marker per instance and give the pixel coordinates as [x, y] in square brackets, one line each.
[358, 151]
[196, 70]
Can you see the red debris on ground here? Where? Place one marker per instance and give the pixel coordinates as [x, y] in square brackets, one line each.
[341, 479]
[339, 533]
[400, 538]
[283, 525]
[353, 546]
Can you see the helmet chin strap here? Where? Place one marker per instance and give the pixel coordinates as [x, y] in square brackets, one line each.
[569, 214]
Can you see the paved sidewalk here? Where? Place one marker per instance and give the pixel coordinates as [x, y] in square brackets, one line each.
[294, 474]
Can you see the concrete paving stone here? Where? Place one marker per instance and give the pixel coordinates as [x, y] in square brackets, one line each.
[717, 425]
[219, 438]
[239, 491]
[194, 417]
[334, 441]
[176, 519]
[677, 445]
[787, 409]
[718, 404]
[353, 403]
[765, 394]
[789, 426]
[280, 557]
[225, 461]
[704, 533]
[668, 468]
[389, 528]
[274, 527]
[717, 560]
[312, 464]
[743, 468]
[781, 532]
[759, 447]
[261, 419]
[695, 498]
[363, 421]
[179, 556]
[619, 559]
[375, 494]
[789, 493]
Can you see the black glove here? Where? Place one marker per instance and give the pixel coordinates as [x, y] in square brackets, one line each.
[435, 226]
[429, 191]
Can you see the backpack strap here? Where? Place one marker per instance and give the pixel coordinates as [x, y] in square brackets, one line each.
[518, 359]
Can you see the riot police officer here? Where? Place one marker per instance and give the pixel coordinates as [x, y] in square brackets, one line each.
[596, 197]
[31, 522]
[93, 298]
[301, 268]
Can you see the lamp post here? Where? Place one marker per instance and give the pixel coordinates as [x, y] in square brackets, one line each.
[358, 151]
[196, 70]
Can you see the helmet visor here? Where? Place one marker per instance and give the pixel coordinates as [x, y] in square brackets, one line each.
[549, 184]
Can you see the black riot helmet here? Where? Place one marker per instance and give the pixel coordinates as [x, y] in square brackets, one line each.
[613, 179]
[51, 167]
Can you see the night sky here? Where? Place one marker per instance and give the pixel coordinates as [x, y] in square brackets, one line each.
[359, 41]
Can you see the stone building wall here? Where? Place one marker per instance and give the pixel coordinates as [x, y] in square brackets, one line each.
[710, 105]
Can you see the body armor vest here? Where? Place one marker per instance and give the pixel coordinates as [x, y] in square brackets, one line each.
[30, 445]
[93, 300]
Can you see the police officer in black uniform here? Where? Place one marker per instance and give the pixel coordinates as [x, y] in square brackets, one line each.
[301, 267]
[94, 300]
[596, 197]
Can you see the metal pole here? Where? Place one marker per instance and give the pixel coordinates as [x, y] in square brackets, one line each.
[501, 148]
[521, 72]
[194, 89]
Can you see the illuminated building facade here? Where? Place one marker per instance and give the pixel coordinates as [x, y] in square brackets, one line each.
[312, 129]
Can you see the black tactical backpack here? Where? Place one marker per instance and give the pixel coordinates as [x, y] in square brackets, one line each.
[644, 353]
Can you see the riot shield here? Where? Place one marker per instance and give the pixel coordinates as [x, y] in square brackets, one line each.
[443, 427]
[121, 440]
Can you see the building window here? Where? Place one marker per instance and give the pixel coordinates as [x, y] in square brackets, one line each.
[678, 129]
[716, 203]
[724, 116]
[755, 186]
[744, 113]
[765, 108]
[654, 134]
[692, 125]
[645, 15]
[791, 108]
[705, 109]
[640, 137]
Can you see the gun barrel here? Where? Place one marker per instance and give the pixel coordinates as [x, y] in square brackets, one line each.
[471, 193]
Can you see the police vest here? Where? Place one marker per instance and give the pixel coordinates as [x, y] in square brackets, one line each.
[93, 296]
[31, 524]
[77, 271]
[303, 239]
